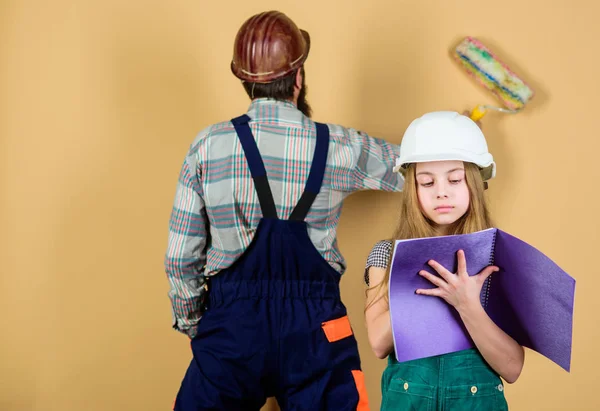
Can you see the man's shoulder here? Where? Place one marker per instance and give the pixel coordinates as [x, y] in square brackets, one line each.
[345, 134]
[224, 127]
[336, 128]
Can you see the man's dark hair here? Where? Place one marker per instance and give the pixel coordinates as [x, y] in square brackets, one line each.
[280, 89]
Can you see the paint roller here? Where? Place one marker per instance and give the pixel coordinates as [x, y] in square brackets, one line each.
[487, 70]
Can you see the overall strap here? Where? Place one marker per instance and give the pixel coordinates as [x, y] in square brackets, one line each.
[256, 165]
[315, 177]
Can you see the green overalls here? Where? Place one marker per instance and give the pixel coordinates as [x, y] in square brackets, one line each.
[460, 381]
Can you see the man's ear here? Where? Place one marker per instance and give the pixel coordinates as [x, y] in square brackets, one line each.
[298, 83]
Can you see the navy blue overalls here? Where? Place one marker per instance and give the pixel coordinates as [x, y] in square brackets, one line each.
[275, 325]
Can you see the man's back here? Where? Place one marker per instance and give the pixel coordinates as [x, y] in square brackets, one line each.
[286, 140]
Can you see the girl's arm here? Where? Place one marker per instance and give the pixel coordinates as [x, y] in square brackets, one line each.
[462, 291]
[500, 351]
[377, 315]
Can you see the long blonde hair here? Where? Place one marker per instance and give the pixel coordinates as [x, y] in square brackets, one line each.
[414, 224]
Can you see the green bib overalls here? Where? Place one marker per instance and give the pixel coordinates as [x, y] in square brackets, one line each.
[460, 381]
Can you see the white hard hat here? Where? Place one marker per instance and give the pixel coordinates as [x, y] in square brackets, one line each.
[443, 136]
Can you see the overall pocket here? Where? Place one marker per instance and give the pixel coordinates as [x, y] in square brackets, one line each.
[476, 397]
[403, 395]
[337, 329]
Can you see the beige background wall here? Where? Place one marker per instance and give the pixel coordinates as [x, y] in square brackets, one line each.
[99, 101]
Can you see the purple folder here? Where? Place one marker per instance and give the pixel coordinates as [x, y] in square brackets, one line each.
[530, 298]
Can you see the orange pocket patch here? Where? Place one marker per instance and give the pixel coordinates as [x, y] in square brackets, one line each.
[363, 400]
[337, 329]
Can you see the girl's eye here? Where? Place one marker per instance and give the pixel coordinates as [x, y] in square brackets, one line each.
[455, 181]
[429, 184]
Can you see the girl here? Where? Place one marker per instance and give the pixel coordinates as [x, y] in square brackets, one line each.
[445, 163]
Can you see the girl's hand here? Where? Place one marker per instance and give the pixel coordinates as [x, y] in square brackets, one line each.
[459, 290]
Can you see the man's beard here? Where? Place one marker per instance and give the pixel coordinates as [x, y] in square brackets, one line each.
[303, 105]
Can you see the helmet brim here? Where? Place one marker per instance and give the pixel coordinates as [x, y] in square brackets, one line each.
[488, 168]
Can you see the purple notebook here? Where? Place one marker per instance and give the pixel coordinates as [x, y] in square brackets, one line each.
[530, 298]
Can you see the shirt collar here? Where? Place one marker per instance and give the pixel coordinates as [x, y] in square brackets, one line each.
[259, 102]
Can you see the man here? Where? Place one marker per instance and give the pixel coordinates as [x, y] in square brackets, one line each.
[252, 259]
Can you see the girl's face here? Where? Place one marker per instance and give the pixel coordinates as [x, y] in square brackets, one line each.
[442, 191]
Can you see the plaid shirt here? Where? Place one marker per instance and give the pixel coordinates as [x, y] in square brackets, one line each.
[216, 208]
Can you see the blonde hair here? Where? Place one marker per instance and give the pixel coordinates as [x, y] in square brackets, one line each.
[414, 224]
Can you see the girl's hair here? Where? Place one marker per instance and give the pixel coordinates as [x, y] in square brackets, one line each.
[414, 224]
